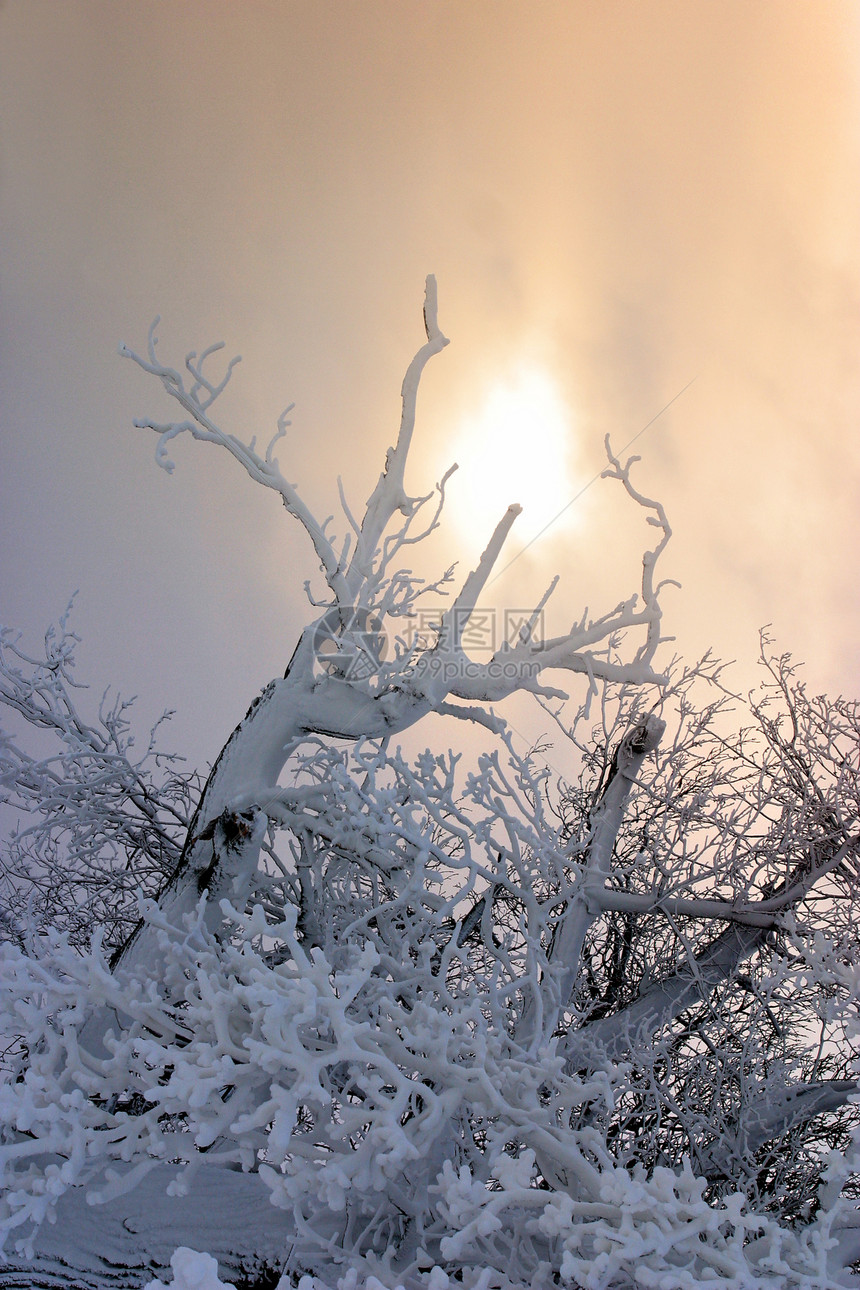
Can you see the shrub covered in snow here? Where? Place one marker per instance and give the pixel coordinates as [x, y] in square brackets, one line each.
[453, 1020]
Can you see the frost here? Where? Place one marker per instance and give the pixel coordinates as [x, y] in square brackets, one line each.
[192, 1271]
[390, 1020]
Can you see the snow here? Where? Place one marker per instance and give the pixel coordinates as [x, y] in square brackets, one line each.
[192, 1270]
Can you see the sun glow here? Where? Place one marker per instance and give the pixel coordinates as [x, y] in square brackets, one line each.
[516, 446]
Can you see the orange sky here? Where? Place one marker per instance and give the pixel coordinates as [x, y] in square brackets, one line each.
[621, 197]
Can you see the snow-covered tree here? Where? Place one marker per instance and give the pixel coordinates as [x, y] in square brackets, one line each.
[343, 1012]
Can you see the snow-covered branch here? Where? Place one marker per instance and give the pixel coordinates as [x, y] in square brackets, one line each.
[95, 819]
[390, 497]
[196, 400]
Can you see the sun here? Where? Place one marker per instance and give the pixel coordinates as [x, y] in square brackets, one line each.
[515, 446]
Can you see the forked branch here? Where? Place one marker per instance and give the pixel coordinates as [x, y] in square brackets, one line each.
[358, 573]
[196, 401]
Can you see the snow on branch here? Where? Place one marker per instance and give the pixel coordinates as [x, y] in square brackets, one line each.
[390, 495]
[366, 585]
[96, 819]
[650, 593]
[196, 400]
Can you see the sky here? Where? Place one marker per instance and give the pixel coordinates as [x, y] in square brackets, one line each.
[626, 206]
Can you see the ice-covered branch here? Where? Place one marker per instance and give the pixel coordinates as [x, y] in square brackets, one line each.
[595, 857]
[95, 819]
[650, 593]
[196, 401]
[774, 1113]
[634, 1025]
[390, 495]
[519, 666]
